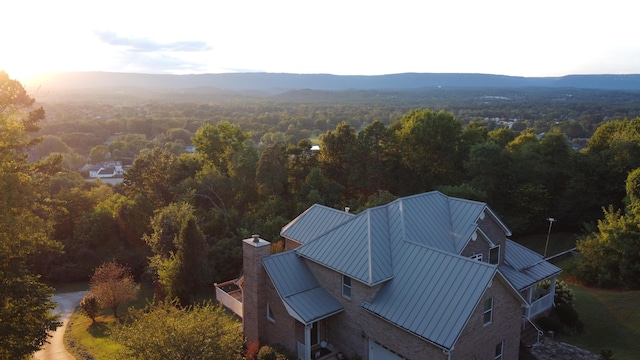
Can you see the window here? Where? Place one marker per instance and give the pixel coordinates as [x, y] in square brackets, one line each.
[499, 349]
[270, 313]
[477, 257]
[494, 255]
[346, 286]
[488, 311]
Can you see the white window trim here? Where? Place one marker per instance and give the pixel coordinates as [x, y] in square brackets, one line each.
[500, 356]
[489, 311]
[345, 286]
[270, 316]
[498, 259]
[477, 257]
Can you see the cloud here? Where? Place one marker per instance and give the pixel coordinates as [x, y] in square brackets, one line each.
[148, 45]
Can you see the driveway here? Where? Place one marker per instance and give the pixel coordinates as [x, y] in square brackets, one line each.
[67, 302]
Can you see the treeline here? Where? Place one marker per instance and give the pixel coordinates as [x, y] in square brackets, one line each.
[234, 187]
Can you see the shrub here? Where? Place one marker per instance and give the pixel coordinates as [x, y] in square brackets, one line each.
[89, 306]
[267, 353]
[548, 323]
[563, 294]
[567, 315]
[252, 351]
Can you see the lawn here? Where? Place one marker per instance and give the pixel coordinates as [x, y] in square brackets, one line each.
[611, 321]
[85, 339]
[611, 318]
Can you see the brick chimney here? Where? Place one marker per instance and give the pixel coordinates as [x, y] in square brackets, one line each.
[254, 302]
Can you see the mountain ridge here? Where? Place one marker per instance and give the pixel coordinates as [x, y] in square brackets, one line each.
[282, 82]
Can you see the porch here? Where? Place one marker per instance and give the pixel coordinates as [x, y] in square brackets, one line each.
[229, 294]
[539, 296]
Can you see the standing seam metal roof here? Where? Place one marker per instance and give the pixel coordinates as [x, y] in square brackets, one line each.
[300, 291]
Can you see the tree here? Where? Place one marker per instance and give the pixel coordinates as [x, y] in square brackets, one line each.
[90, 306]
[152, 175]
[167, 331]
[179, 252]
[25, 241]
[429, 145]
[112, 284]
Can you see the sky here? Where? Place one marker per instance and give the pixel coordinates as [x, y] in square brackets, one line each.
[346, 37]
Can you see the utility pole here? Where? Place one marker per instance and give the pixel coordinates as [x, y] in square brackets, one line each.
[551, 221]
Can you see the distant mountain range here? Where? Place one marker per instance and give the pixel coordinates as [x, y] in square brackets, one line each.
[275, 83]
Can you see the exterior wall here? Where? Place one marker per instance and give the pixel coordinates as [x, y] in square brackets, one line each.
[290, 244]
[280, 330]
[478, 341]
[254, 301]
[477, 246]
[350, 330]
[480, 245]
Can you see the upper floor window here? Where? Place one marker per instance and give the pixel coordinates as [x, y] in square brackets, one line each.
[270, 313]
[346, 286]
[499, 350]
[488, 311]
[477, 257]
[494, 255]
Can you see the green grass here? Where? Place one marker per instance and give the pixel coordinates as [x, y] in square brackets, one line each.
[83, 337]
[611, 321]
[558, 242]
[611, 318]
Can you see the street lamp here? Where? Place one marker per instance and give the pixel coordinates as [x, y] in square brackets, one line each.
[551, 221]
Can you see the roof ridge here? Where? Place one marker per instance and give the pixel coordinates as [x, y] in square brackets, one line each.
[449, 253]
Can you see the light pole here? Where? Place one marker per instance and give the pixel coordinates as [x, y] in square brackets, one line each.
[551, 221]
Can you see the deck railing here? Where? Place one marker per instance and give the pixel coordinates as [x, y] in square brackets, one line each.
[228, 300]
[541, 304]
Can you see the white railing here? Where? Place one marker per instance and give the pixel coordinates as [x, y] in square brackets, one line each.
[228, 300]
[538, 330]
[300, 348]
[543, 303]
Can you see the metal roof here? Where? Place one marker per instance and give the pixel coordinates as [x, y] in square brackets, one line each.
[304, 298]
[432, 293]
[523, 267]
[359, 248]
[412, 247]
[313, 222]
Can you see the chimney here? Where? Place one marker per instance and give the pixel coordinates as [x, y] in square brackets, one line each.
[347, 209]
[254, 302]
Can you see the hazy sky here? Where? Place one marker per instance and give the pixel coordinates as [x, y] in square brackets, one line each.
[525, 38]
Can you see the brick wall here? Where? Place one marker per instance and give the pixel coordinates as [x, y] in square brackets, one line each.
[494, 231]
[478, 341]
[351, 329]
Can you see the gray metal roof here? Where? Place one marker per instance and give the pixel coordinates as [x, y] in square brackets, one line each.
[523, 267]
[313, 222]
[412, 247]
[299, 290]
[433, 293]
[359, 248]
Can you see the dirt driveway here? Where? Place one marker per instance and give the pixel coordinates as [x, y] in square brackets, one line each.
[67, 302]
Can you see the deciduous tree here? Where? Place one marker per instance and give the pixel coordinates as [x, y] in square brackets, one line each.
[113, 285]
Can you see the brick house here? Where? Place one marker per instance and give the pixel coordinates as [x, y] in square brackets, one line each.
[424, 277]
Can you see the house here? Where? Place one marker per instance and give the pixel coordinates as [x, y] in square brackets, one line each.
[424, 277]
[105, 170]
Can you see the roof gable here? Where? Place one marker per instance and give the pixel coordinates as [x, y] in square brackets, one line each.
[302, 295]
[314, 221]
[433, 293]
[523, 267]
[358, 248]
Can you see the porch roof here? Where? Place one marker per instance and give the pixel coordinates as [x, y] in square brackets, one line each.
[524, 267]
[302, 295]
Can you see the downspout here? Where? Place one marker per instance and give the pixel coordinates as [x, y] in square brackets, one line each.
[447, 352]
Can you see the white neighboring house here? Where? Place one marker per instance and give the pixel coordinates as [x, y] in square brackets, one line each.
[107, 169]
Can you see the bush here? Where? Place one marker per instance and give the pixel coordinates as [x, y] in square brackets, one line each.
[252, 351]
[548, 323]
[267, 353]
[89, 306]
[567, 315]
[563, 294]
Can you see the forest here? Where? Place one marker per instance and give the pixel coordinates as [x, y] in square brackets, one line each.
[530, 154]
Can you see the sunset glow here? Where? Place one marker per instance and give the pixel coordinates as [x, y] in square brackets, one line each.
[543, 38]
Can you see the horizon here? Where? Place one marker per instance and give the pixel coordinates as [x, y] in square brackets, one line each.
[356, 38]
